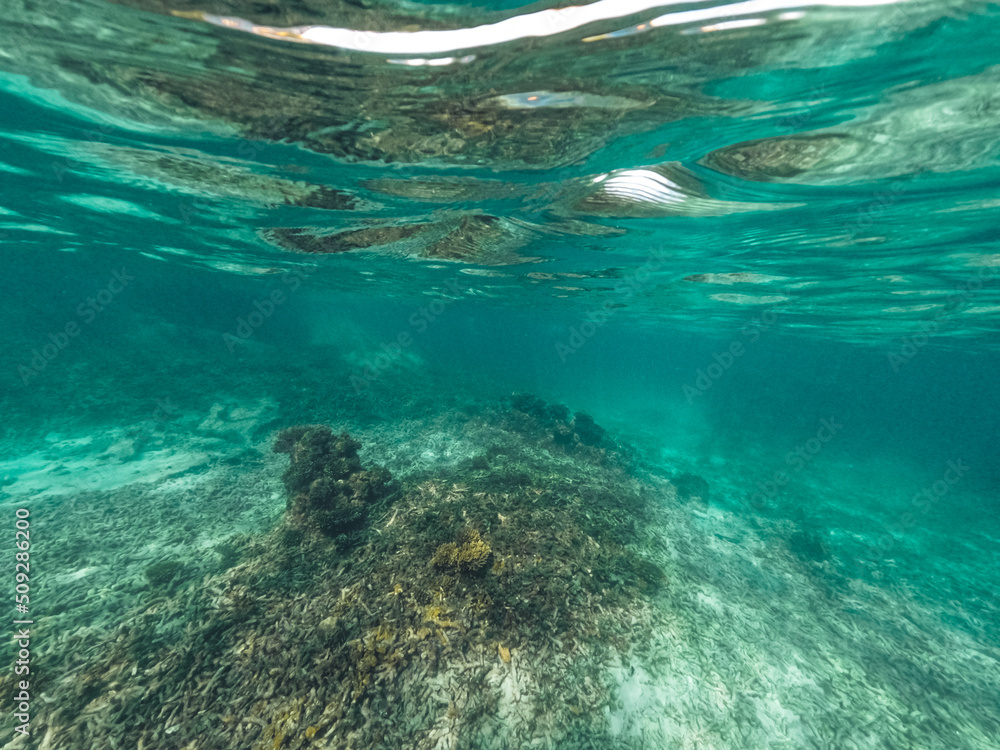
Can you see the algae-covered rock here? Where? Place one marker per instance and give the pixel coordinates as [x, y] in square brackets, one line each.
[328, 489]
[551, 425]
[589, 432]
[528, 404]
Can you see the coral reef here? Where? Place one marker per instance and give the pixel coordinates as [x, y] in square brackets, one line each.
[604, 616]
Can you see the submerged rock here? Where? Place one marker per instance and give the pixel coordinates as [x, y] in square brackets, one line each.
[691, 487]
[588, 431]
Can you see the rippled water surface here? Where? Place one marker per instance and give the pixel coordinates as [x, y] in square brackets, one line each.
[737, 264]
[836, 162]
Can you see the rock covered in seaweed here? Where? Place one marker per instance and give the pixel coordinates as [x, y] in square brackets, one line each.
[551, 423]
[328, 488]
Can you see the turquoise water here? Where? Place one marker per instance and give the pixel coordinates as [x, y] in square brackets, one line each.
[672, 327]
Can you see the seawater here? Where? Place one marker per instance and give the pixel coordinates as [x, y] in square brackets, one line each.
[411, 375]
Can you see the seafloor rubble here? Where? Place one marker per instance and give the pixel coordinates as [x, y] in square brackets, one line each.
[476, 607]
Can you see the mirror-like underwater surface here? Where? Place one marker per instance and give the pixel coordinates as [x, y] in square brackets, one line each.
[411, 375]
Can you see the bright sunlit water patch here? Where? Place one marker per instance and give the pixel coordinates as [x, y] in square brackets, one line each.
[667, 333]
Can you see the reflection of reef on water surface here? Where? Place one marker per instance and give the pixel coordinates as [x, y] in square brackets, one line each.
[200, 174]
[471, 237]
[480, 606]
[380, 118]
[503, 109]
[530, 104]
[940, 127]
[667, 189]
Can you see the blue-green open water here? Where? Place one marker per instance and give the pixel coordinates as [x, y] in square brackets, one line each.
[756, 243]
